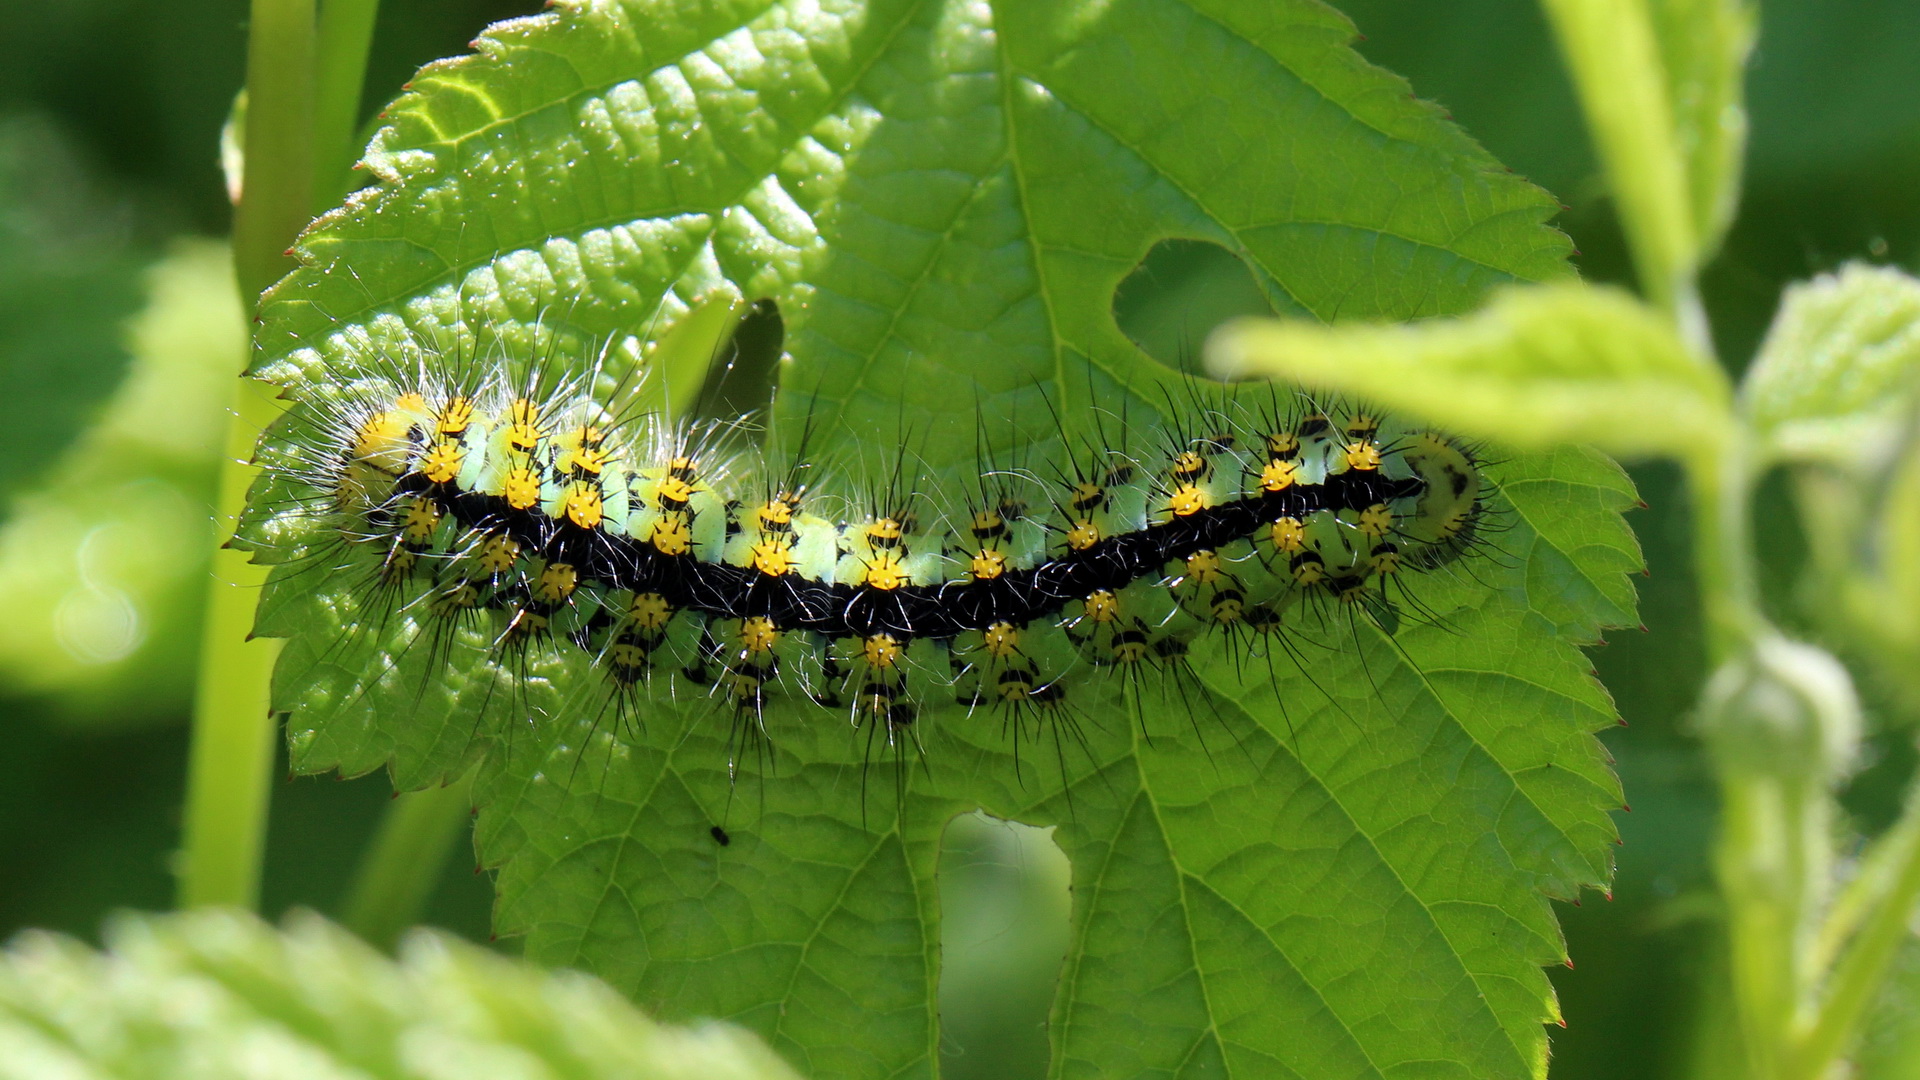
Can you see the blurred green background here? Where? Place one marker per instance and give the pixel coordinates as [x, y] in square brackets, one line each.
[118, 330]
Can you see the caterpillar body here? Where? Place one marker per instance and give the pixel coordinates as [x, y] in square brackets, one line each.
[678, 564]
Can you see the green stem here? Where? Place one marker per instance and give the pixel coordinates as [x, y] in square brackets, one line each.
[1720, 480]
[398, 872]
[346, 36]
[1874, 879]
[1856, 981]
[231, 761]
[277, 190]
[230, 765]
[1760, 863]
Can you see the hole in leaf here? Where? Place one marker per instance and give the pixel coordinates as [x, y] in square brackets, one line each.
[1003, 931]
[1178, 294]
[741, 380]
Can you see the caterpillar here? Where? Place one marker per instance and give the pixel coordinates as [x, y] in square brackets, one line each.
[542, 512]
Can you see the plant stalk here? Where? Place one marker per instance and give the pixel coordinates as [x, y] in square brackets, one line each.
[345, 38]
[1720, 480]
[230, 765]
[1856, 980]
[231, 761]
[276, 194]
[398, 872]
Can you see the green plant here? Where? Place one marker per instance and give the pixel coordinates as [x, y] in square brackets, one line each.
[987, 179]
[1831, 395]
[613, 166]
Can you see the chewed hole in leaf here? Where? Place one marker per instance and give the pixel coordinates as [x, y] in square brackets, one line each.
[1174, 298]
[1003, 931]
[745, 375]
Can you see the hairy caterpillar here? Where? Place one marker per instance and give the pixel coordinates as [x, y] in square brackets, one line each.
[525, 502]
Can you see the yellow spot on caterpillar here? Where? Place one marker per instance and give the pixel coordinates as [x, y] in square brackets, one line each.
[462, 597]
[878, 701]
[1001, 640]
[1016, 684]
[584, 457]
[455, 417]
[1129, 647]
[1363, 456]
[1262, 619]
[683, 468]
[649, 611]
[523, 425]
[442, 462]
[1228, 605]
[988, 525]
[384, 441]
[1087, 497]
[1362, 426]
[1187, 501]
[1288, 535]
[1102, 606]
[885, 533]
[776, 514]
[1283, 446]
[555, 583]
[987, 564]
[672, 535]
[884, 572]
[523, 626]
[1308, 568]
[521, 487]
[1278, 475]
[1189, 465]
[745, 685]
[422, 518]
[1376, 520]
[582, 505]
[758, 635]
[1384, 559]
[880, 650]
[773, 558]
[498, 553]
[1083, 535]
[673, 493]
[627, 656]
[399, 565]
[1204, 568]
[411, 402]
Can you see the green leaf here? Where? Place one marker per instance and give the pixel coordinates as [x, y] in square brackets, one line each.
[1659, 81]
[1837, 379]
[1536, 368]
[104, 562]
[69, 280]
[1836, 392]
[217, 994]
[1341, 867]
